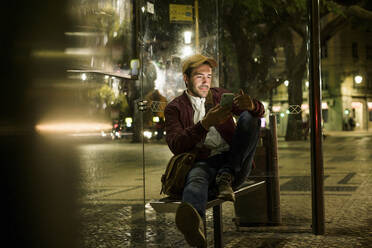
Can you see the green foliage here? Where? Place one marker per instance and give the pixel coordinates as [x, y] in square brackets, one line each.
[255, 7]
[332, 7]
[105, 95]
[123, 104]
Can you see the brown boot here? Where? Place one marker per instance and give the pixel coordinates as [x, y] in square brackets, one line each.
[191, 225]
[225, 191]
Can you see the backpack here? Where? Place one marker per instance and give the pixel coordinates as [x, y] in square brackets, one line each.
[173, 179]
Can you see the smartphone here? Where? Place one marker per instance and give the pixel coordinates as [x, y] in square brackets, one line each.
[227, 99]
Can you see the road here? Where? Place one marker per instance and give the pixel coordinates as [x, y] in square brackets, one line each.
[113, 187]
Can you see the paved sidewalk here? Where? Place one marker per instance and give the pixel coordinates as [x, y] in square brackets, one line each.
[347, 196]
[349, 133]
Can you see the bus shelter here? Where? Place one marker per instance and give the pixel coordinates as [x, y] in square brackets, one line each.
[96, 101]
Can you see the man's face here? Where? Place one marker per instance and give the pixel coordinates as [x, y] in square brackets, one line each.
[200, 81]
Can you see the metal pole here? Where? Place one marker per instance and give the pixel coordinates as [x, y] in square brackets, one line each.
[274, 195]
[141, 47]
[136, 27]
[316, 119]
[219, 33]
[217, 225]
[366, 112]
[196, 7]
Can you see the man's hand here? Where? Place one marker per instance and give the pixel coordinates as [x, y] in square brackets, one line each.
[215, 116]
[244, 101]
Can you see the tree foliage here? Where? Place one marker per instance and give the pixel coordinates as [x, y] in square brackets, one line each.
[106, 99]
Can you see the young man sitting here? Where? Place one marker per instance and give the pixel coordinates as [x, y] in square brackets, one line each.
[196, 120]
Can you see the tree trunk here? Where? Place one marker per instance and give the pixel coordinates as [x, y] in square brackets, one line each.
[296, 66]
[294, 125]
[242, 45]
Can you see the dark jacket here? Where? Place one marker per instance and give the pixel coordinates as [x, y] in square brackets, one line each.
[182, 134]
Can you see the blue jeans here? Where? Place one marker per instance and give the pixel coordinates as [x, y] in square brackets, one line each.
[237, 161]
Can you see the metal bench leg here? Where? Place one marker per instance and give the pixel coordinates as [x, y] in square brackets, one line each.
[217, 224]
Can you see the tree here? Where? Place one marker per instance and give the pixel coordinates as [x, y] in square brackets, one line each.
[271, 27]
[105, 98]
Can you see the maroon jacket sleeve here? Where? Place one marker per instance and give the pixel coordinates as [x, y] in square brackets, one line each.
[179, 137]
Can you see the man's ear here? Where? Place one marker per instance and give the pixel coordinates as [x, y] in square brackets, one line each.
[185, 79]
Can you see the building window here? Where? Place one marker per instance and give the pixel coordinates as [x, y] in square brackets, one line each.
[370, 115]
[369, 52]
[354, 49]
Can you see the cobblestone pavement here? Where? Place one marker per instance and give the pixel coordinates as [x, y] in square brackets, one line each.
[109, 222]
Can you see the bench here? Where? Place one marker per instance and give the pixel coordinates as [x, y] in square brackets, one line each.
[168, 205]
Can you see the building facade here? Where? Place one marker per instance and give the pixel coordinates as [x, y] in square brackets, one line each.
[347, 80]
[346, 74]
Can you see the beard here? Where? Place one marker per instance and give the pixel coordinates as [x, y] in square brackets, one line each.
[200, 91]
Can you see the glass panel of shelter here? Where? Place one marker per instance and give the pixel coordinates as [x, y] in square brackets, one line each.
[102, 45]
[267, 78]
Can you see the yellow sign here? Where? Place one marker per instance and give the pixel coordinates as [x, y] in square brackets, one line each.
[180, 13]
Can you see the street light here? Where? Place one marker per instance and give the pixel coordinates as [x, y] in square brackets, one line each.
[83, 76]
[187, 37]
[286, 83]
[147, 134]
[358, 79]
[128, 121]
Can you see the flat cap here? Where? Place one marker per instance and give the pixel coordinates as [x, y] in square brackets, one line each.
[196, 60]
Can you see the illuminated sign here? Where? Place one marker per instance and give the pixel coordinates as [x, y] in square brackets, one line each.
[180, 13]
[276, 108]
[356, 105]
[305, 106]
